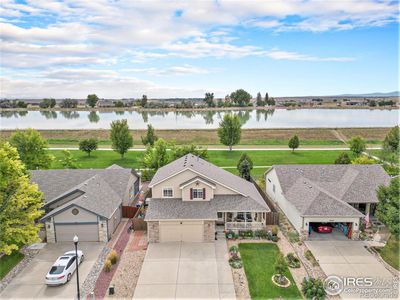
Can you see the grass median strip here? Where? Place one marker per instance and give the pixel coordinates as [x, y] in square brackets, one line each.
[7, 262]
[221, 158]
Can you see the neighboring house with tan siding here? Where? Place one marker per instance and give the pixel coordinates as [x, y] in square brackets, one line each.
[192, 199]
[341, 195]
[85, 202]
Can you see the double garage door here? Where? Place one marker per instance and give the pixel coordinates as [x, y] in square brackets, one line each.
[176, 231]
[85, 232]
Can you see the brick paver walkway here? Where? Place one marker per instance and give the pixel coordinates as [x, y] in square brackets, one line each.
[105, 278]
[139, 242]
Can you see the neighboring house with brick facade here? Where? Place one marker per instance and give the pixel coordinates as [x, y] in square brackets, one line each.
[85, 202]
[341, 195]
[192, 199]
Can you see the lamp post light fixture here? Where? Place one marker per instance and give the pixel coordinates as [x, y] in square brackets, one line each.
[76, 240]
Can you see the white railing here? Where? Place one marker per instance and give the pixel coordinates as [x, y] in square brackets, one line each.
[244, 225]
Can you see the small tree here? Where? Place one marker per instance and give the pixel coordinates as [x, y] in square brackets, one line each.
[143, 102]
[313, 288]
[357, 145]
[240, 97]
[150, 138]
[209, 99]
[363, 160]
[32, 149]
[20, 203]
[260, 101]
[280, 267]
[69, 162]
[244, 156]
[179, 151]
[120, 137]
[88, 145]
[266, 99]
[244, 168]
[92, 99]
[154, 158]
[388, 209]
[229, 130]
[343, 159]
[294, 142]
[391, 145]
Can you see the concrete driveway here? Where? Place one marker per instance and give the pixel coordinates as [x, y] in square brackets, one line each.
[29, 284]
[182, 270]
[350, 259]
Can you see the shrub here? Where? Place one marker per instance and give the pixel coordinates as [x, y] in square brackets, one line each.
[246, 233]
[280, 268]
[313, 288]
[292, 260]
[235, 261]
[275, 230]
[309, 256]
[113, 257]
[274, 238]
[107, 265]
[230, 235]
[234, 249]
[261, 234]
[293, 237]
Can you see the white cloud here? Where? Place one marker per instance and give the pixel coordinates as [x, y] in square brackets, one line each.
[108, 88]
[287, 55]
[80, 74]
[171, 71]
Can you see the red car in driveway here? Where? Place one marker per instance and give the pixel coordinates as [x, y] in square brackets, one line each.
[322, 228]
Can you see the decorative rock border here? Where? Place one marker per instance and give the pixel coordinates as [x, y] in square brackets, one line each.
[281, 285]
[29, 255]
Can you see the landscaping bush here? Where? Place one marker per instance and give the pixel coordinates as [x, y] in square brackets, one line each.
[275, 230]
[280, 268]
[235, 261]
[262, 234]
[293, 237]
[313, 288]
[234, 249]
[274, 238]
[292, 260]
[113, 257]
[107, 265]
[230, 235]
[311, 258]
[246, 233]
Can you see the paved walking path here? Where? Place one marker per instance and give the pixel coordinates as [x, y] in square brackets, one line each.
[250, 148]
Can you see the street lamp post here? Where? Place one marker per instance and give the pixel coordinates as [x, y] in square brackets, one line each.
[76, 240]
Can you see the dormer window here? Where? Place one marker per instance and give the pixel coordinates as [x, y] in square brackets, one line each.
[197, 194]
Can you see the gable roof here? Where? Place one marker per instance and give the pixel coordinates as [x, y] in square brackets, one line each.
[97, 197]
[327, 190]
[211, 173]
[54, 183]
[197, 178]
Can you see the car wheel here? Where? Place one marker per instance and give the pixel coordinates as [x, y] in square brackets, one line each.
[82, 258]
[68, 277]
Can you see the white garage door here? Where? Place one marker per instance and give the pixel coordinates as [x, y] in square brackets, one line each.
[187, 231]
[85, 232]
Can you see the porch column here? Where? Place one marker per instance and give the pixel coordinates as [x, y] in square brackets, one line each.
[367, 208]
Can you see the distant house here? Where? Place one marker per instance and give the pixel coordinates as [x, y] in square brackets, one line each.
[105, 103]
[192, 199]
[85, 202]
[336, 194]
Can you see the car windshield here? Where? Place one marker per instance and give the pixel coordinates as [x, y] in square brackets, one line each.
[56, 269]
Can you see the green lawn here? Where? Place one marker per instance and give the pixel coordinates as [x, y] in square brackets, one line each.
[259, 261]
[7, 262]
[105, 158]
[391, 252]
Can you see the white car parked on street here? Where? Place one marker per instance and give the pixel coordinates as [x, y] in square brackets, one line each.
[62, 270]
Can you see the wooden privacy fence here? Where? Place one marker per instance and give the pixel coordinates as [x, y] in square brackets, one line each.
[272, 217]
[129, 211]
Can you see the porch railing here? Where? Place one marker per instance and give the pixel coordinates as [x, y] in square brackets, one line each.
[244, 225]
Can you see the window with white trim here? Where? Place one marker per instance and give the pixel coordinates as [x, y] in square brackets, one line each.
[168, 193]
[198, 194]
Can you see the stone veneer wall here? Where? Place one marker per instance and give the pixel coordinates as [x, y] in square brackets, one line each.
[153, 231]
[209, 231]
[103, 230]
[50, 237]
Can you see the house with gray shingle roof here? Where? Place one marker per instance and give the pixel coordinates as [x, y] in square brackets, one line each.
[192, 198]
[341, 195]
[85, 202]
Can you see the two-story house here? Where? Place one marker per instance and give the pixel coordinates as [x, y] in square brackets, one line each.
[191, 198]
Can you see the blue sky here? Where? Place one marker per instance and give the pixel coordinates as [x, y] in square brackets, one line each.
[123, 49]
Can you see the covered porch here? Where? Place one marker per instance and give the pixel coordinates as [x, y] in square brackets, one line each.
[241, 220]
